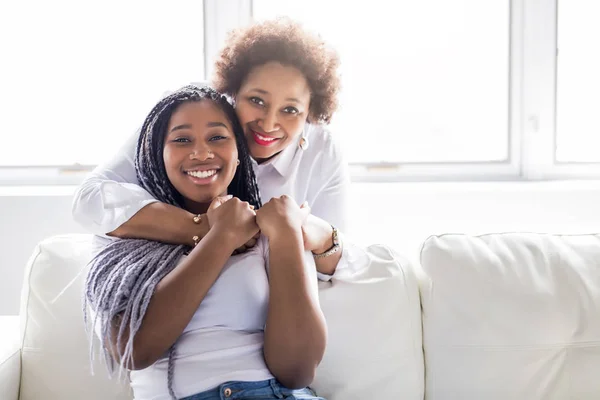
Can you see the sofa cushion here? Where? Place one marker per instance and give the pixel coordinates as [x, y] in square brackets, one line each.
[10, 357]
[55, 352]
[372, 310]
[512, 316]
[373, 314]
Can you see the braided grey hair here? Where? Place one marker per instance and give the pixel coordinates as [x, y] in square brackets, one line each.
[123, 275]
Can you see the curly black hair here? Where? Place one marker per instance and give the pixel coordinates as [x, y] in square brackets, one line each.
[284, 41]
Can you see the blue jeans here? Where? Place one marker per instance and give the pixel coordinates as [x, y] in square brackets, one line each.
[263, 390]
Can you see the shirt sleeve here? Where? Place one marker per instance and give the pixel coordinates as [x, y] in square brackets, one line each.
[351, 262]
[330, 200]
[110, 195]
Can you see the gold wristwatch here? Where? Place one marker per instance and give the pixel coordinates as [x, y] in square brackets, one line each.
[333, 249]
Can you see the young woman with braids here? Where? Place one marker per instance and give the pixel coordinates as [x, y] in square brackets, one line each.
[284, 84]
[192, 321]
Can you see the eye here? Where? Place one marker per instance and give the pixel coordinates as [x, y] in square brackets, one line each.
[291, 110]
[181, 140]
[216, 138]
[257, 100]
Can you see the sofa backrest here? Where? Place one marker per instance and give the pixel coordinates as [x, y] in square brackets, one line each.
[55, 348]
[373, 313]
[372, 309]
[512, 316]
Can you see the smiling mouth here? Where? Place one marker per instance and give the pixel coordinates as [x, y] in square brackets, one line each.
[202, 174]
[202, 177]
[263, 140]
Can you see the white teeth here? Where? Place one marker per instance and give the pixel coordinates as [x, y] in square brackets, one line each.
[266, 139]
[202, 174]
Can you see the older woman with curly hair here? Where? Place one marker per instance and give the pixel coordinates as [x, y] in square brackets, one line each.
[284, 84]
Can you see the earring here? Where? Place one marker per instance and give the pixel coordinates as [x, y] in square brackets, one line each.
[238, 162]
[303, 144]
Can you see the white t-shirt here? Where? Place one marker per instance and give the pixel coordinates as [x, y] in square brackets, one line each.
[212, 354]
[224, 339]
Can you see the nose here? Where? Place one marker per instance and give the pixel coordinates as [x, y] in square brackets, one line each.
[202, 152]
[269, 122]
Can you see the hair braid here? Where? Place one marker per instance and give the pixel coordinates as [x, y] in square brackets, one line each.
[123, 276]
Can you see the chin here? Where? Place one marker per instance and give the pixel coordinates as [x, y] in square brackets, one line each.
[205, 197]
[262, 153]
[199, 197]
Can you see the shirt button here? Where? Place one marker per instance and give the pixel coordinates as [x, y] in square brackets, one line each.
[227, 392]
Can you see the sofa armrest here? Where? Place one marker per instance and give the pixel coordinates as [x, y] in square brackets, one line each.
[10, 357]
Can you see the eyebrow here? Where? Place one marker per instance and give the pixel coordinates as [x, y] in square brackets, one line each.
[265, 92]
[188, 126]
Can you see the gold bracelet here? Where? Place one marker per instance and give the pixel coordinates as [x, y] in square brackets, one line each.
[197, 218]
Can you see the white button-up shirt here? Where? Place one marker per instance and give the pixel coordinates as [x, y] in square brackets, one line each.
[318, 174]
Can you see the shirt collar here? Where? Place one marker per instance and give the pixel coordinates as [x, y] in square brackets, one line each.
[282, 162]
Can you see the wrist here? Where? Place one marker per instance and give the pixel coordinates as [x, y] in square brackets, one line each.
[195, 228]
[223, 238]
[335, 247]
[326, 243]
[286, 235]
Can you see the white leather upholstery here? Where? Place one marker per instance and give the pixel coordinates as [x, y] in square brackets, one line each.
[10, 358]
[373, 321]
[373, 314]
[512, 316]
[55, 352]
[504, 316]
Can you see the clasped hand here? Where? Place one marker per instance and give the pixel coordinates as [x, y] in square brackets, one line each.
[240, 224]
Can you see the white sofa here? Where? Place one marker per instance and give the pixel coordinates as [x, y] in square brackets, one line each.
[499, 316]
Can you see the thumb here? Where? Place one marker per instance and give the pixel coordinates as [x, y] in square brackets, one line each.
[305, 210]
[218, 201]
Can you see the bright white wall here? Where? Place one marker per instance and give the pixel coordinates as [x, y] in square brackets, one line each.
[401, 215]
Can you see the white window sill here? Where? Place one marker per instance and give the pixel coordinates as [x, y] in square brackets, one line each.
[396, 187]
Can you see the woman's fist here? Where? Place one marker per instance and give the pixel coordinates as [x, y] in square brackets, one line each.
[281, 215]
[234, 219]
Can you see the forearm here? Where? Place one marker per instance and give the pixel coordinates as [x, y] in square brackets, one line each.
[111, 193]
[182, 290]
[323, 233]
[163, 223]
[295, 333]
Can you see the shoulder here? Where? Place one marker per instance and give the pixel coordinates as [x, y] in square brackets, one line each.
[99, 242]
[323, 143]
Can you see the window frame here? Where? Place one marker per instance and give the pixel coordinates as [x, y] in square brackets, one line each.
[540, 50]
[532, 109]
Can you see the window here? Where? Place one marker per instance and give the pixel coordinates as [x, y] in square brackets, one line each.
[578, 82]
[424, 81]
[83, 75]
[432, 90]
